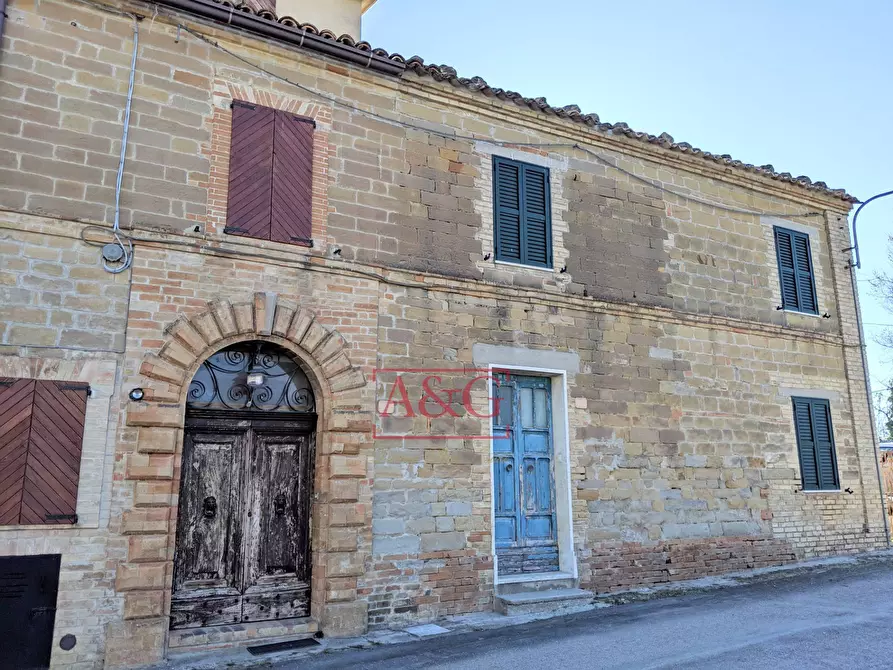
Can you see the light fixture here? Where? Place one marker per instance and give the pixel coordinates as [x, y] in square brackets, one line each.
[255, 379]
[136, 394]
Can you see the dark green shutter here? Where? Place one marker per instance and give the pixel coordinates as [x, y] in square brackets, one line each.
[795, 271]
[507, 201]
[522, 213]
[537, 234]
[805, 280]
[815, 444]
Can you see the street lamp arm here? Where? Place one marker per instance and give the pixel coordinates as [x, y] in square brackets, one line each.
[856, 217]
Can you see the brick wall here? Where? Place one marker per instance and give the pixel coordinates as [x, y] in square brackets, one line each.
[623, 225]
[53, 290]
[682, 446]
[86, 601]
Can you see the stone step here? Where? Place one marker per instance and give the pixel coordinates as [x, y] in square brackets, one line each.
[535, 602]
[541, 582]
[192, 640]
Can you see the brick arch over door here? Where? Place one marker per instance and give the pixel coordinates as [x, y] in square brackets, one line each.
[341, 514]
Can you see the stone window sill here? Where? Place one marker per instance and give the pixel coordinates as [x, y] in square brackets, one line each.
[809, 314]
[526, 267]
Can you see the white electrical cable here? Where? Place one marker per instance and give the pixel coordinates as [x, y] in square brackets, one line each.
[122, 240]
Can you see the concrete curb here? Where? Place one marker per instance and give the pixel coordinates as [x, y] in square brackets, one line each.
[456, 625]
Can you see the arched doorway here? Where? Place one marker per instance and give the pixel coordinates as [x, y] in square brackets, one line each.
[243, 529]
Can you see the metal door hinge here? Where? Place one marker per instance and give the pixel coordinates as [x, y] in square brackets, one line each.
[77, 387]
[61, 517]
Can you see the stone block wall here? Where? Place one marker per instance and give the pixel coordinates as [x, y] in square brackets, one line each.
[682, 449]
[62, 317]
[682, 444]
[53, 290]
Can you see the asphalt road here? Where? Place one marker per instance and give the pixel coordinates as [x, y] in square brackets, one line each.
[838, 618]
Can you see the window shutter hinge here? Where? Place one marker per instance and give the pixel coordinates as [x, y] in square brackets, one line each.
[240, 103]
[61, 517]
[77, 387]
[233, 229]
[303, 240]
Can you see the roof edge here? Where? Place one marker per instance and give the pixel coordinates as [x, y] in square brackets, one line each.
[266, 23]
[285, 29]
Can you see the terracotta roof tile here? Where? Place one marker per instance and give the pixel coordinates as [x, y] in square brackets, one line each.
[445, 73]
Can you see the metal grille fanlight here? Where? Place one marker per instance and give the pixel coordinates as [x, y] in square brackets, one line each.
[251, 376]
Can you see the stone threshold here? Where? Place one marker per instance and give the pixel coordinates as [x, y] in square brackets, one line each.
[195, 642]
[465, 623]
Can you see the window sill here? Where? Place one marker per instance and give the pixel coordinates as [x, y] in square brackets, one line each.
[799, 313]
[526, 267]
[44, 526]
[815, 491]
[294, 242]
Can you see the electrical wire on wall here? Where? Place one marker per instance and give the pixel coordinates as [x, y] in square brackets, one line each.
[117, 256]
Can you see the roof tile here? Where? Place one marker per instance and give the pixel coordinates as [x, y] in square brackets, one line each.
[444, 73]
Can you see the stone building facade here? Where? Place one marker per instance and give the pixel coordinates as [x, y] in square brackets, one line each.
[658, 324]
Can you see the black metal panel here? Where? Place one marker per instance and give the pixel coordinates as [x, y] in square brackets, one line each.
[28, 589]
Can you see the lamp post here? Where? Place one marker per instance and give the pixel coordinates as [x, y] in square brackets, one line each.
[856, 218]
[871, 415]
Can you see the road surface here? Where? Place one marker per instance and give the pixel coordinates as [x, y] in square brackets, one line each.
[840, 617]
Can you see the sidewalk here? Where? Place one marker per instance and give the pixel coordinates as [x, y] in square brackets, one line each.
[486, 621]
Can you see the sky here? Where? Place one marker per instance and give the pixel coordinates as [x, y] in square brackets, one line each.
[803, 85]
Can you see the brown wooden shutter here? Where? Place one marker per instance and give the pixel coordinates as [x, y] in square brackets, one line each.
[16, 402]
[250, 171]
[41, 433]
[292, 201]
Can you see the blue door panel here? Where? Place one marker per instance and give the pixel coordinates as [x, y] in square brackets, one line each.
[539, 528]
[543, 485]
[524, 498]
[502, 444]
[536, 442]
[504, 476]
[505, 532]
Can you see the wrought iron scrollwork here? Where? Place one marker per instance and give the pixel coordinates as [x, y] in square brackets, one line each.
[253, 376]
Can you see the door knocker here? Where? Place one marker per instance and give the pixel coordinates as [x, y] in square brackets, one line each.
[210, 507]
[279, 504]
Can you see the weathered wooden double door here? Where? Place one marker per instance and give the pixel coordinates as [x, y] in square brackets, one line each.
[243, 531]
[523, 481]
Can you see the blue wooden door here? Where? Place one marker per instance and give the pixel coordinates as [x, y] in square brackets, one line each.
[523, 485]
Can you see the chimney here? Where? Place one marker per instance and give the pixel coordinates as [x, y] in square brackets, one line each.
[339, 16]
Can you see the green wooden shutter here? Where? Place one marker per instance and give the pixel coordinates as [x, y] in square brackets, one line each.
[507, 209]
[815, 444]
[536, 230]
[805, 278]
[522, 213]
[809, 468]
[824, 444]
[795, 271]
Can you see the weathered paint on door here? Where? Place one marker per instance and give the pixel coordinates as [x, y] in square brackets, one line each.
[243, 532]
[523, 484]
